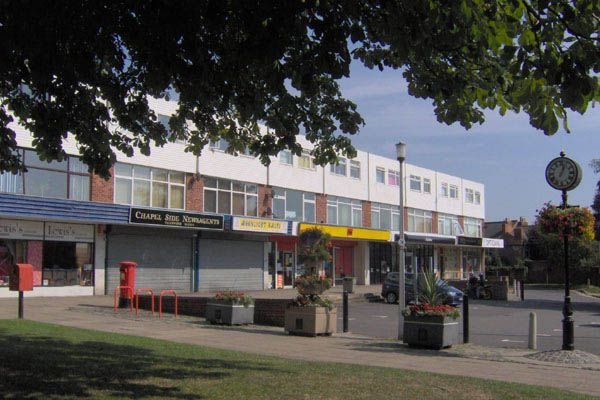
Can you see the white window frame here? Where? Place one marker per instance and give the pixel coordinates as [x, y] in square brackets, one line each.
[453, 191]
[306, 200]
[448, 221]
[426, 185]
[472, 227]
[418, 217]
[379, 209]
[286, 157]
[333, 208]
[379, 175]
[306, 158]
[444, 189]
[231, 191]
[477, 197]
[339, 169]
[393, 177]
[153, 171]
[469, 195]
[415, 183]
[354, 169]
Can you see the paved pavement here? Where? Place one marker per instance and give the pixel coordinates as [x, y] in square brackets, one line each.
[514, 365]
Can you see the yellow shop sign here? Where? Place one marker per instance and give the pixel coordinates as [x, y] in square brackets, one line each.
[260, 225]
[350, 232]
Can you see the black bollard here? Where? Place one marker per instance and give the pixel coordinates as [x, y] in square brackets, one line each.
[522, 290]
[465, 319]
[345, 311]
[20, 304]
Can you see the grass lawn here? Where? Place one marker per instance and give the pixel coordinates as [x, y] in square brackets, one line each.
[42, 361]
[590, 289]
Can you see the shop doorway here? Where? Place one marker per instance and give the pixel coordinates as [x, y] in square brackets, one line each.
[380, 262]
[287, 268]
[342, 258]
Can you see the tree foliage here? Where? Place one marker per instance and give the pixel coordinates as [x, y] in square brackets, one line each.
[595, 164]
[87, 68]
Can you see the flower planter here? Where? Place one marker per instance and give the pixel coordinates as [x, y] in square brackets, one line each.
[229, 314]
[430, 331]
[310, 321]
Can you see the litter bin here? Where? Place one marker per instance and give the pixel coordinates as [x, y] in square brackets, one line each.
[349, 282]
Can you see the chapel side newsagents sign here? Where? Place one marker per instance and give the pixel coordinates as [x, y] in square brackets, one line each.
[179, 219]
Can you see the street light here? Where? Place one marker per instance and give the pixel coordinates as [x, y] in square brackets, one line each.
[401, 156]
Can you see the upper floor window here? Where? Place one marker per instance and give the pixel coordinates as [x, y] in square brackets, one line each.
[472, 227]
[67, 179]
[339, 168]
[285, 157]
[477, 197]
[230, 197]
[453, 191]
[293, 205]
[393, 177]
[164, 121]
[355, 169]
[385, 216]
[223, 145]
[426, 185]
[306, 161]
[419, 220]
[380, 175]
[469, 196]
[444, 190]
[152, 187]
[342, 211]
[448, 225]
[415, 183]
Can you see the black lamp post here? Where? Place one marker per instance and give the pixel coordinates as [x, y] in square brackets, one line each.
[564, 174]
[401, 156]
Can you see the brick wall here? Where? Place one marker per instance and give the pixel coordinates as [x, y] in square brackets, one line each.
[434, 222]
[194, 193]
[102, 190]
[268, 312]
[321, 205]
[265, 201]
[366, 214]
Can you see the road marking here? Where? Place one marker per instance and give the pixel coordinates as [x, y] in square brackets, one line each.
[544, 335]
[557, 330]
[380, 316]
[512, 341]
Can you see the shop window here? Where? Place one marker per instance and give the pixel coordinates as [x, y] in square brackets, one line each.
[293, 205]
[224, 196]
[150, 187]
[67, 264]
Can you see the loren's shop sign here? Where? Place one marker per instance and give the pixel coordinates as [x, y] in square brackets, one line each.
[175, 218]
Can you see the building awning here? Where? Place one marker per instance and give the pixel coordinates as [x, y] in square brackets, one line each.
[350, 232]
[431, 238]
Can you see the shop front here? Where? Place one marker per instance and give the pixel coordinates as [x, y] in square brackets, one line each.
[350, 248]
[472, 255]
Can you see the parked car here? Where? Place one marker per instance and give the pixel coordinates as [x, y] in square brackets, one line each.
[389, 290]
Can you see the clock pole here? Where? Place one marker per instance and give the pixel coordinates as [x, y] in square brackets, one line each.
[568, 330]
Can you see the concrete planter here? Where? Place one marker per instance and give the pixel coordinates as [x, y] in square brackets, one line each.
[229, 314]
[430, 331]
[310, 321]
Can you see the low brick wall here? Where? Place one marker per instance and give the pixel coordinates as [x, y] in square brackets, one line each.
[266, 311]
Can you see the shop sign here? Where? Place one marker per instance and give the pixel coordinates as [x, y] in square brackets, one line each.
[18, 229]
[428, 239]
[468, 241]
[493, 243]
[260, 225]
[175, 219]
[57, 231]
[350, 232]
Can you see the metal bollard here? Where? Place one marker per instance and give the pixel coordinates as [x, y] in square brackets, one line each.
[532, 331]
[522, 291]
[345, 306]
[465, 319]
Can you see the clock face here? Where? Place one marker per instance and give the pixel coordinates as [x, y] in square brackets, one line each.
[563, 173]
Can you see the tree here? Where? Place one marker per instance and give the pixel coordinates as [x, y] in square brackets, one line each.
[595, 164]
[87, 68]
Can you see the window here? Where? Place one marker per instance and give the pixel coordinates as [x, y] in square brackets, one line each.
[419, 220]
[293, 205]
[448, 225]
[426, 185]
[393, 177]
[220, 145]
[285, 157]
[453, 192]
[444, 190]
[469, 196]
[355, 169]
[306, 161]
[380, 175]
[342, 211]
[472, 227]
[339, 168]
[477, 198]
[230, 197]
[67, 179]
[415, 183]
[151, 187]
[164, 121]
[385, 216]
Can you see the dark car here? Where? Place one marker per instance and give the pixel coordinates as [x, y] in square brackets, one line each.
[389, 290]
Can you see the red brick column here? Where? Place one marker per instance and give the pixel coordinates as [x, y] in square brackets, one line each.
[321, 205]
[265, 201]
[103, 190]
[194, 193]
[366, 214]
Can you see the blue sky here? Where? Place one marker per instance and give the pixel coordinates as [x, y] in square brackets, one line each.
[506, 154]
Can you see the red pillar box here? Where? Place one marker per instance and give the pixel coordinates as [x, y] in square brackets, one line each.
[127, 269]
[21, 278]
